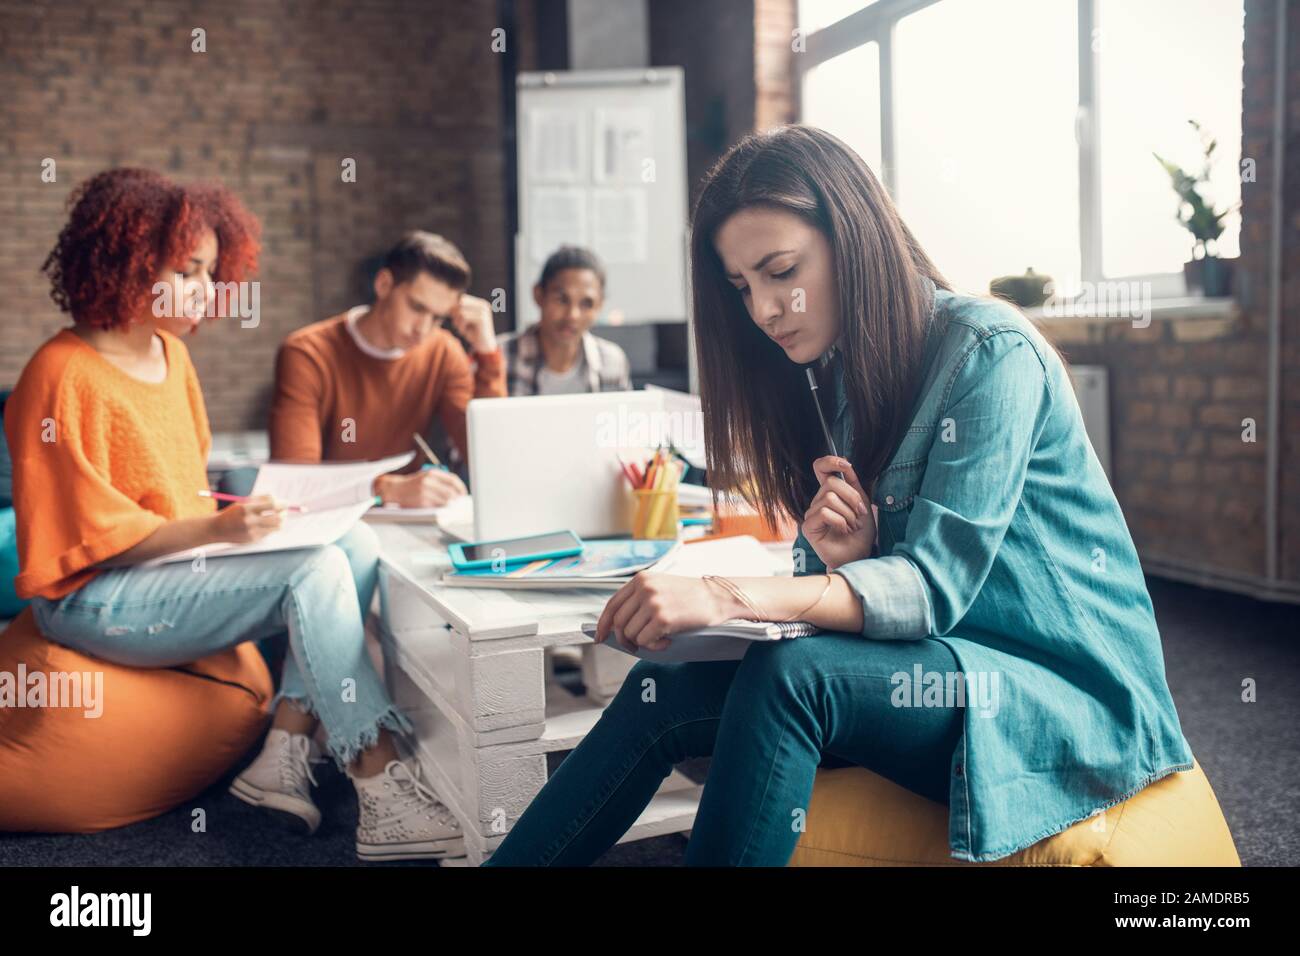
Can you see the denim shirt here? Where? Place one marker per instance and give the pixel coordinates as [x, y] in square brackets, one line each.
[1001, 538]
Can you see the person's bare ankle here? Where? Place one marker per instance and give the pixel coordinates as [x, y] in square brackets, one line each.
[367, 765]
[292, 719]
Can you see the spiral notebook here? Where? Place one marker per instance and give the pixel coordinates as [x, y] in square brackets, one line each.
[722, 642]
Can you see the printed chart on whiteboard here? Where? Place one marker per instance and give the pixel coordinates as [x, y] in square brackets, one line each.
[602, 164]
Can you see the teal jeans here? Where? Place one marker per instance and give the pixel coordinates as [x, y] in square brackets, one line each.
[173, 614]
[768, 720]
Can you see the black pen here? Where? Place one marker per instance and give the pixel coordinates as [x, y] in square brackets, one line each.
[812, 384]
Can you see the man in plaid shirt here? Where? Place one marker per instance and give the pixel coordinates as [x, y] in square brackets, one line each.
[558, 355]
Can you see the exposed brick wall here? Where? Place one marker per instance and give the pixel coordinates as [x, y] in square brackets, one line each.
[774, 21]
[287, 88]
[1261, 33]
[1190, 487]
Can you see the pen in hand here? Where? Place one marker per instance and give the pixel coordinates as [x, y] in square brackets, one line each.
[428, 452]
[222, 496]
[830, 441]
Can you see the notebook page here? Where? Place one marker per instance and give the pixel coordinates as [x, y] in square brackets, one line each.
[324, 486]
[310, 530]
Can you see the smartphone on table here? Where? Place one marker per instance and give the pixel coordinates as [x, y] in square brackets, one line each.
[472, 555]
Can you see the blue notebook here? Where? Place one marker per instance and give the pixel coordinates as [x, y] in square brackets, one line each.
[602, 564]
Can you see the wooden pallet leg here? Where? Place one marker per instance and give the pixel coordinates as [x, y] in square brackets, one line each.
[603, 671]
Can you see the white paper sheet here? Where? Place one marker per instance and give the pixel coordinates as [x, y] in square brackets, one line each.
[337, 495]
[620, 224]
[557, 141]
[558, 217]
[622, 146]
[454, 513]
[327, 485]
[742, 556]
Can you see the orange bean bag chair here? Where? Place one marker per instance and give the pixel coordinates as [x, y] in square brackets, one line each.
[859, 818]
[162, 735]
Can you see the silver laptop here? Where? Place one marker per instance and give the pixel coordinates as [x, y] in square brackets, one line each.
[550, 462]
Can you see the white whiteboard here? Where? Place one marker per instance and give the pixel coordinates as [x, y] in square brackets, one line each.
[602, 164]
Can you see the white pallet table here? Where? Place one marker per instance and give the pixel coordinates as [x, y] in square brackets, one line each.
[495, 774]
[488, 787]
[474, 685]
[603, 670]
[468, 667]
[485, 624]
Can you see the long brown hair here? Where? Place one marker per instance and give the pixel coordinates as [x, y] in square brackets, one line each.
[761, 431]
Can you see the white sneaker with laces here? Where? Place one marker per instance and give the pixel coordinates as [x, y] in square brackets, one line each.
[402, 819]
[280, 780]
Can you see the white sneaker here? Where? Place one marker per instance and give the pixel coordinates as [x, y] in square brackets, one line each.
[402, 819]
[280, 780]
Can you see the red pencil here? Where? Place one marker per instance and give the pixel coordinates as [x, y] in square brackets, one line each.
[627, 471]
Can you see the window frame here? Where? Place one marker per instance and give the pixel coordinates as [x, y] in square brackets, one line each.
[876, 23]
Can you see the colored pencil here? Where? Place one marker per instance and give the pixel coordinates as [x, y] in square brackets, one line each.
[222, 496]
[428, 452]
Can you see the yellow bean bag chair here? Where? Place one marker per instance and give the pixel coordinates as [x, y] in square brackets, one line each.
[859, 818]
[162, 735]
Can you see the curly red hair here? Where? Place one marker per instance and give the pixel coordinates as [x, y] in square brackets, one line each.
[129, 225]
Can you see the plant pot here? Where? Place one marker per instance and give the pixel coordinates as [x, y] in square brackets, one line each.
[1027, 291]
[1210, 276]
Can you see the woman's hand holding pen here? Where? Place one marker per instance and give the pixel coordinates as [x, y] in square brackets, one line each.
[839, 523]
[651, 606]
[248, 520]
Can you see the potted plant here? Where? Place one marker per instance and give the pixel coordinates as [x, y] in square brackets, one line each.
[1028, 291]
[1206, 272]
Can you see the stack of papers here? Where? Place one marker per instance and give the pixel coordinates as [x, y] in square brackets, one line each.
[454, 517]
[335, 495]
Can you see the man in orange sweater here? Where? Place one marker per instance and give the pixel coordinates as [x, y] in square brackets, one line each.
[357, 386]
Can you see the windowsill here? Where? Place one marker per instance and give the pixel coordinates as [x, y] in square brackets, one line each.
[1197, 307]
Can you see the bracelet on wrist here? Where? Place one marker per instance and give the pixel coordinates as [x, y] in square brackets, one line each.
[799, 616]
[734, 590]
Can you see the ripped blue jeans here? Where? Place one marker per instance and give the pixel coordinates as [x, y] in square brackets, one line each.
[176, 613]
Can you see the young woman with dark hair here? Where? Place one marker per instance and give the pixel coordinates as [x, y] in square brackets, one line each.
[988, 640]
[110, 441]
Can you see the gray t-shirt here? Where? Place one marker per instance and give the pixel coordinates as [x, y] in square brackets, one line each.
[572, 382]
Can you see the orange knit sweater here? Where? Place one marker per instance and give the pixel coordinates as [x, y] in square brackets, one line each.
[101, 459]
[333, 402]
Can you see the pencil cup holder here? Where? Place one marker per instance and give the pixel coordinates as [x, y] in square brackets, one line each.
[656, 514]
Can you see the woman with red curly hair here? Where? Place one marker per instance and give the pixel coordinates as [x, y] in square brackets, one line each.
[110, 441]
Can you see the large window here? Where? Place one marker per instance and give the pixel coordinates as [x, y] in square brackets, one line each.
[987, 167]
[856, 118]
[1019, 133]
[1161, 63]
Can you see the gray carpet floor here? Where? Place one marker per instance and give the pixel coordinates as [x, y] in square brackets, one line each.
[1212, 642]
